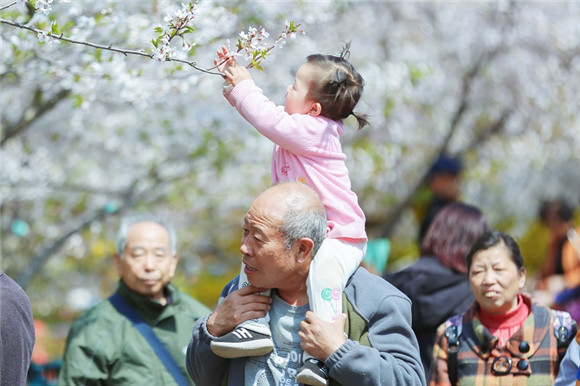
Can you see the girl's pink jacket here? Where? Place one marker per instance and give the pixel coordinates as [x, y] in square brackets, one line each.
[307, 149]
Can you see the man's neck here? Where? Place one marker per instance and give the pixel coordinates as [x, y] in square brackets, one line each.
[294, 297]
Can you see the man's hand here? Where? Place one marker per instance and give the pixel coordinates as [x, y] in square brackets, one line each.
[320, 338]
[228, 66]
[239, 306]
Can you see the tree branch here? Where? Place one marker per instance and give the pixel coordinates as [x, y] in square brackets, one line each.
[123, 51]
[485, 134]
[36, 110]
[38, 261]
[386, 228]
[129, 197]
[2, 8]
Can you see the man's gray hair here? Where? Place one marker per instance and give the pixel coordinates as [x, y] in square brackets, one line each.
[304, 218]
[128, 221]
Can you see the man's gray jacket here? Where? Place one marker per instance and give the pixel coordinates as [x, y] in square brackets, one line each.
[381, 348]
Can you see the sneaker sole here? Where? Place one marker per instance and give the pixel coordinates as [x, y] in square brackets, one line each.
[232, 350]
[307, 377]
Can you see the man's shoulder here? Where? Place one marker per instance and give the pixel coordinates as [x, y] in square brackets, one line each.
[231, 286]
[11, 291]
[101, 315]
[365, 285]
[193, 305]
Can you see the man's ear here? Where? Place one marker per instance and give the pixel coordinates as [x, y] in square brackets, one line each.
[305, 246]
[174, 261]
[117, 261]
[315, 109]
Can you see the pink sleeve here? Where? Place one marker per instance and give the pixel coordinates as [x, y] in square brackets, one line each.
[296, 132]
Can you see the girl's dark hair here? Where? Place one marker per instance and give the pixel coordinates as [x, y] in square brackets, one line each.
[491, 239]
[453, 231]
[338, 87]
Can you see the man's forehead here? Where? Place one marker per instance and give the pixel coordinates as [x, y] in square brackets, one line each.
[140, 245]
[261, 220]
[146, 233]
[148, 227]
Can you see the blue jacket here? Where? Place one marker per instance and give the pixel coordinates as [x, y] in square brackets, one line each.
[381, 349]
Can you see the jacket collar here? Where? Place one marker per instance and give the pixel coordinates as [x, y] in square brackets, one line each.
[150, 310]
[532, 332]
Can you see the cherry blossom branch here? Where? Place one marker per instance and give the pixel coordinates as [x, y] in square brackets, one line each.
[179, 24]
[252, 44]
[7, 6]
[124, 51]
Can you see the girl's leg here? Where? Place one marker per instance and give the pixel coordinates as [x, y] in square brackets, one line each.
[334, 263]
[330, 269]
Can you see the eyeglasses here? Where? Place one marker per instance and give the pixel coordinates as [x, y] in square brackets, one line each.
[501, 365]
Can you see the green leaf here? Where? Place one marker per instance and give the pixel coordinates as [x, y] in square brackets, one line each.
[78, 100]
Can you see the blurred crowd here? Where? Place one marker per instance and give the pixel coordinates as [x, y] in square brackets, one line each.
[472, 297]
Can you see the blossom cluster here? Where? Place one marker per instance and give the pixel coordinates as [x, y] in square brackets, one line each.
[49, 37]
[179, 24]
[290, 31]
[252, 44]
[44, 6]
[46, 37]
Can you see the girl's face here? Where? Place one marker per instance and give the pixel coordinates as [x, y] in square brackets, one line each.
[495, 279]
[296, 102]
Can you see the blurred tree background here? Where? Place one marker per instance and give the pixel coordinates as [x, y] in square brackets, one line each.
[88, 134]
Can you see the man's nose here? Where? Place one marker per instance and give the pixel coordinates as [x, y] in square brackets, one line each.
[245, 249]
[149, 262]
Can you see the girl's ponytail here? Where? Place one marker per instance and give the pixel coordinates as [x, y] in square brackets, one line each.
[337, 87]
[362, 120]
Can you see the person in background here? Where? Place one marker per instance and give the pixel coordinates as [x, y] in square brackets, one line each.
[104, 345]
[560, 273]
[570, 366]
[372, 344]
[506, 337]
[437, 282]
[43, 370]
[444, 182]
[16, 332]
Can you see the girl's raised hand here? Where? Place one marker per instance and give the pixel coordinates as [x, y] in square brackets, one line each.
[228, 66]
[224, 60]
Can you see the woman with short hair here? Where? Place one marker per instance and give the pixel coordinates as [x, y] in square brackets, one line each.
[506, 337]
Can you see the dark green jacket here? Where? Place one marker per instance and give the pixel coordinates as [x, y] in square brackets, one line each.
[103, 347]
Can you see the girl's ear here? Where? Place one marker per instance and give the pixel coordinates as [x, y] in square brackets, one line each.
[315, 109]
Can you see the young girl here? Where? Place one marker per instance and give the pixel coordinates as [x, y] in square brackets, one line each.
[307, 149]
